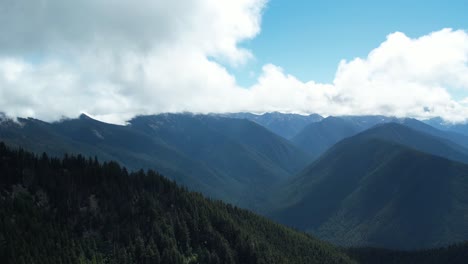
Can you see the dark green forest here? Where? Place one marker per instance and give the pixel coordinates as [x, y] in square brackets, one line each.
[77, 210]
[454, 254]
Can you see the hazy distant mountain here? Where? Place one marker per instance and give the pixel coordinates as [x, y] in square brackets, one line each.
[232, 159]
[317, 137]
[285, 125]
[369, 190]
[368, 121]
[458, 138]
[439, 123]
[234, 148]
[417, 139]
[198, 135]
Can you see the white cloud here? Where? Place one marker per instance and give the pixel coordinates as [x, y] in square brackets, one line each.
[115, 59]
[402, 77]
[410, 77]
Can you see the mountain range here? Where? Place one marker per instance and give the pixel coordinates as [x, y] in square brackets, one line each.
[377, 181]
[235, 160]
[317, 137]
[379, 188]
[285, 125]
[441, 124]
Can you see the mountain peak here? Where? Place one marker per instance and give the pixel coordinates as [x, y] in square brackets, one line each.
[84, 116]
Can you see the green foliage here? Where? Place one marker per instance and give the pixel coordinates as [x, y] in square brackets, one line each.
[76, 210]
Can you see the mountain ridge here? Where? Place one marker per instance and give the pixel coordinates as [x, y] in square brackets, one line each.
[380, 197]
[231, 159]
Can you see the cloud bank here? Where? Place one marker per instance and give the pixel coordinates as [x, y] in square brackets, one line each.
[115, 59]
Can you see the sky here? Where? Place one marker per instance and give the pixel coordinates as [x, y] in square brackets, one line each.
[310, 38]
[115, 59]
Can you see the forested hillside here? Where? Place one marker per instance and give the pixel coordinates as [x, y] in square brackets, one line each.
[76, 210]
[235, 160]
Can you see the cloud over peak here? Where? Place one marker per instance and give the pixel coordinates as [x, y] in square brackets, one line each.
[114, 59]
[405, 76]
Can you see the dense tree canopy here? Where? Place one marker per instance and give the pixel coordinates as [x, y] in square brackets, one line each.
[76, 210]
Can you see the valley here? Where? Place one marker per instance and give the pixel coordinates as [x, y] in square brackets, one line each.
[354, 181]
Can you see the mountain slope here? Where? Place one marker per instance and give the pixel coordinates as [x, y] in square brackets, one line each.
[453, 136]
[367, 121]
[285, 125]
[231, 159]
[417, 139]
[79, 211]
[112, 142]
[369, 192]
[439, 123]
[317, 137]
[224, 136]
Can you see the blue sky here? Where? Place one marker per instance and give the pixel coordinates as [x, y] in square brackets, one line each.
[309, 38]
